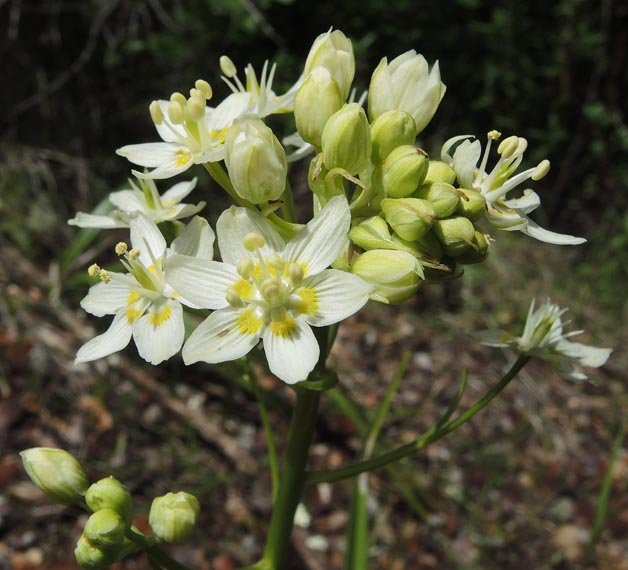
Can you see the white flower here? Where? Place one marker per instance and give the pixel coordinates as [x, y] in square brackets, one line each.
[406, 84]
[145, 199]
[271, 290]
[509, 215]
[257, 96]
[192, 133]
[543, 338]
[143, 302]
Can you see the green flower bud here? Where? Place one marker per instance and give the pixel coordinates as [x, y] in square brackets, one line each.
[173, 516]
[256, 161]
[105, 528]
[477, 255]
[430, 245]
[411, 218]
[402, 172]
[56, 473]
[456, 235]
[395, 275]
[444, 197]
[316, 100]
[90, 556]
[472, 204]
[109, 493]
[390, 130]
[333, 51]
[346, 139]
[439, 171]
[372, 233]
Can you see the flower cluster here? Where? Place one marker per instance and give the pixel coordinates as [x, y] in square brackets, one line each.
[386, 216]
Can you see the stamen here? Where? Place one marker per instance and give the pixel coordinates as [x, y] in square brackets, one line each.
[134, 253]
[104, 276]
[227, 66]
[233, 298]
[93, 270]
[275, 261]
[175, 112]
[541, 170]
[494, 135]
[178, 97]
[270, 289]
[508, 146]
[253, 241]
[205, 88]
[155, 113]
[245, 267]
[295, 273]
[121, 248]
[196, 108]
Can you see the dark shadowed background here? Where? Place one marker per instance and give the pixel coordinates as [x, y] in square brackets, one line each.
[516, 489]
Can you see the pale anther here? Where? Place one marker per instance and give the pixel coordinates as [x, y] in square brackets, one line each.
[253, 241]
[245, 267]
[175, 112]
[155, 113]
[121, 248]
[270, 289]
[541, 170]
[494, 135]
[275, 261]
[508, 146]
[104, 276]
[93, 270]
[178, 97]
[134, 254]
[233, 298]
[196, 108]
[227, 66]
[295, 273]
[204, 87]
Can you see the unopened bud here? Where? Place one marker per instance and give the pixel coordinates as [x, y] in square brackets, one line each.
[479, 253]
[105, 528]
[173, 516]
[456, 235]
[109, 493]
[256, 161]
[472, 204]
[316, 100]
[395, 275]
[56, 473]
[411, 218]
[372, 233]
[389, 131]
[443, 197]
[90, 556]
[429, 245]
[402, 172]
[439, 171]
[346, 140]
[334, 51]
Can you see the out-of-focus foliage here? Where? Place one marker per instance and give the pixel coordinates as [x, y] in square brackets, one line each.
[78, 78]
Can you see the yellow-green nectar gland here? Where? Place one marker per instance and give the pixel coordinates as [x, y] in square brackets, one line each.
[270, 290]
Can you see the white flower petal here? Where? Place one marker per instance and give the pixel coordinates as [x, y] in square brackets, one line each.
[178, 212]
[494, 338]
[293, 356]
[106, 298]
[168, 169]
[320, 242]
[196, 240]
[159, 333]
[587, 355]
[83, 220]
[338, 294]
[527, 203]
[202, 281]
[149, 155]
[219, 338]
[114, 339]
[465, 160]
[445, 152]
[128, 201]
[145, 235]
[537, 232]
[179, 191]
[234, 223]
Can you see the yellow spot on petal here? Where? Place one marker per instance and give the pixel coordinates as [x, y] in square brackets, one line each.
[219, 135]
[243, 288]
[309, 301]
[160, 316]
[283, 327]
[133, 297]
[248, 322]
[132, 314]
[181, 158]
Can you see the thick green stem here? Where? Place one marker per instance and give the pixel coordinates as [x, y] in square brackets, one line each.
[433, 434]
[292, 480]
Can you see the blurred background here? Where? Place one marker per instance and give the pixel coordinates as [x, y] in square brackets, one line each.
[519, 486]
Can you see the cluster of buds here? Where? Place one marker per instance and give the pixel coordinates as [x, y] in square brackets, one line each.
[105, 537]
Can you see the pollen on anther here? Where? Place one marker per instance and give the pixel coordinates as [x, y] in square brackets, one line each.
[134, 253]
[494, 135]
[121, 248]
[104, 276]
[93, 270]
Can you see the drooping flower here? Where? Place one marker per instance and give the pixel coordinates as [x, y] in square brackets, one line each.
[192, 132]
[543, 338]
[406, 84]
[503, 214]
[144, 303]
[271, 290]
[143, 198]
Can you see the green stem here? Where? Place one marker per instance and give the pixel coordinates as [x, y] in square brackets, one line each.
[287, 208]
[433, 434]
[217, 172]
[292, 479]
[155, 554]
